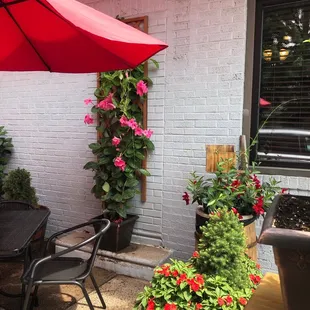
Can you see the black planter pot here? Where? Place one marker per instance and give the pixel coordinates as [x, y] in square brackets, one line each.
[119, 235]
[201, 219]
[292, 256]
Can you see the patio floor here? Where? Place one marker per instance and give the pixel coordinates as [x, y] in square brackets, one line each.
[119, 292]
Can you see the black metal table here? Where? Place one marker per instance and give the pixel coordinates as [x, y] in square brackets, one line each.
[16, 231]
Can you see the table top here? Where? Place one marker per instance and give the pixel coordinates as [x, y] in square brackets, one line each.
[268, 295]
[18, 227]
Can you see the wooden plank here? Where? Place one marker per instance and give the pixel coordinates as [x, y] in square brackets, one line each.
[217, 153]
[268, 295]
[251, 240]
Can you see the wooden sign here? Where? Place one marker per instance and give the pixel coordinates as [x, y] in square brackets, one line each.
[218, 153]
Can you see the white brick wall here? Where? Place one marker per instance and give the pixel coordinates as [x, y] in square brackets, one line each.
[197, 99]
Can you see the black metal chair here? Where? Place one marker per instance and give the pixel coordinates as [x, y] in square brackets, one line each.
[59, 269]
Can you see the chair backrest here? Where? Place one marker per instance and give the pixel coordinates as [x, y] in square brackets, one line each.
[104, 226]
[15, 205]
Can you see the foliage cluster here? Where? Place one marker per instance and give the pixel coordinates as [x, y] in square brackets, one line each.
[17, 186]
[239, 189]
[5, 151]
[123, 142]
[192, 285]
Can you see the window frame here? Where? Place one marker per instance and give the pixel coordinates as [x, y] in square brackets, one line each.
[252, 92]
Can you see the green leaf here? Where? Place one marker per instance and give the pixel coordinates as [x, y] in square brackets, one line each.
[104, 160]
[149, 144]
[91, 165]
[139, 155]
[131, 182]
[128, 194]
[144, 172]
[106, 187]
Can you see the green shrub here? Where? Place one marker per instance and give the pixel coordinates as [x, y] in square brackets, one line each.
[5, 151]
[222, 247]
[17, 186]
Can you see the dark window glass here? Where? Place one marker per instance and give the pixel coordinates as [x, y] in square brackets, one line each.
[281, 107]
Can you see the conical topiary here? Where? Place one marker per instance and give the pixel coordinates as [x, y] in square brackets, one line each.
[222, 248]
[17, 186]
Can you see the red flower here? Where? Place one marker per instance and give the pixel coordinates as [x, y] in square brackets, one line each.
[165, 270]
[221, 301]
[243, 301]
[150, 304]
[235, 184]
[194, 286]
[228, 300]
[196, 254]
[185, 197]
[258, 266]
[256, 181]
[170, 307]
[183, 277]
[234, 210]
[199, 279]
[284, 190]
[258, 207]
[175, 273]
[255, 279]
[253, 290]
[198, 306]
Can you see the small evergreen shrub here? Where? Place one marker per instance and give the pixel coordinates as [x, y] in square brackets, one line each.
[222, 247]
[17, 186]
[5, 151]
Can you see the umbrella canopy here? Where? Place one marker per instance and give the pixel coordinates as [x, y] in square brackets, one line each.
[68, 36]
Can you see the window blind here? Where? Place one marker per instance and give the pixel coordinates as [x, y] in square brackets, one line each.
[284, 91]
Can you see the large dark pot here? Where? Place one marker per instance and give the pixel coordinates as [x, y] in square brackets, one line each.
[119, 235]
[292, 256]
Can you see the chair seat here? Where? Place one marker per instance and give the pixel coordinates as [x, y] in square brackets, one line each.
[61, 269]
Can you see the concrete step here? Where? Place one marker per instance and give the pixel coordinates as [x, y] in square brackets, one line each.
[137, 260]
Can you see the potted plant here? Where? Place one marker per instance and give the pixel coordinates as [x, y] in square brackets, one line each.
[5, 151]
[120, 150]
[239, 190]
[287, 228]
[208, 280]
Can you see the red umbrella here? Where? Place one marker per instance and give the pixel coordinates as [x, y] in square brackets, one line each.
[68, 36]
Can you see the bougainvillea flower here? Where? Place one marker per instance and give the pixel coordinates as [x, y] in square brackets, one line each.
[198, 306]
[141, 88]
[123, 120]
[120, 163]
[139, 131]
[107, 103]
[148, 133]
[88, 119]
[263, 102]
[195, 254]
[228, 300]
[150, 304]
[116, 141]
[242, 301]
[185, 197]
[170, 307]
[221, 301]
[88, 101]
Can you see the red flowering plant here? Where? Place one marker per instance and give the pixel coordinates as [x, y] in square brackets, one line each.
[239, 190]
[190, 286]
[122, 139]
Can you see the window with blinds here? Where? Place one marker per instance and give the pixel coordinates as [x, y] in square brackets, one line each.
[281, 98]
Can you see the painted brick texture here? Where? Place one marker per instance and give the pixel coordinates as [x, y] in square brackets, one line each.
[197, 99]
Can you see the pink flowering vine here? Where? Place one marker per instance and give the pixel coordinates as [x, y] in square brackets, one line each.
[88, 101]
[148, 133]
[138, 131]
[116, 141]
[120, 163]
[141, 88]
[88, 119]
[107, 103]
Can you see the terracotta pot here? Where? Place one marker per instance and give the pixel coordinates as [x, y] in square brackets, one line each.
[292, 256]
